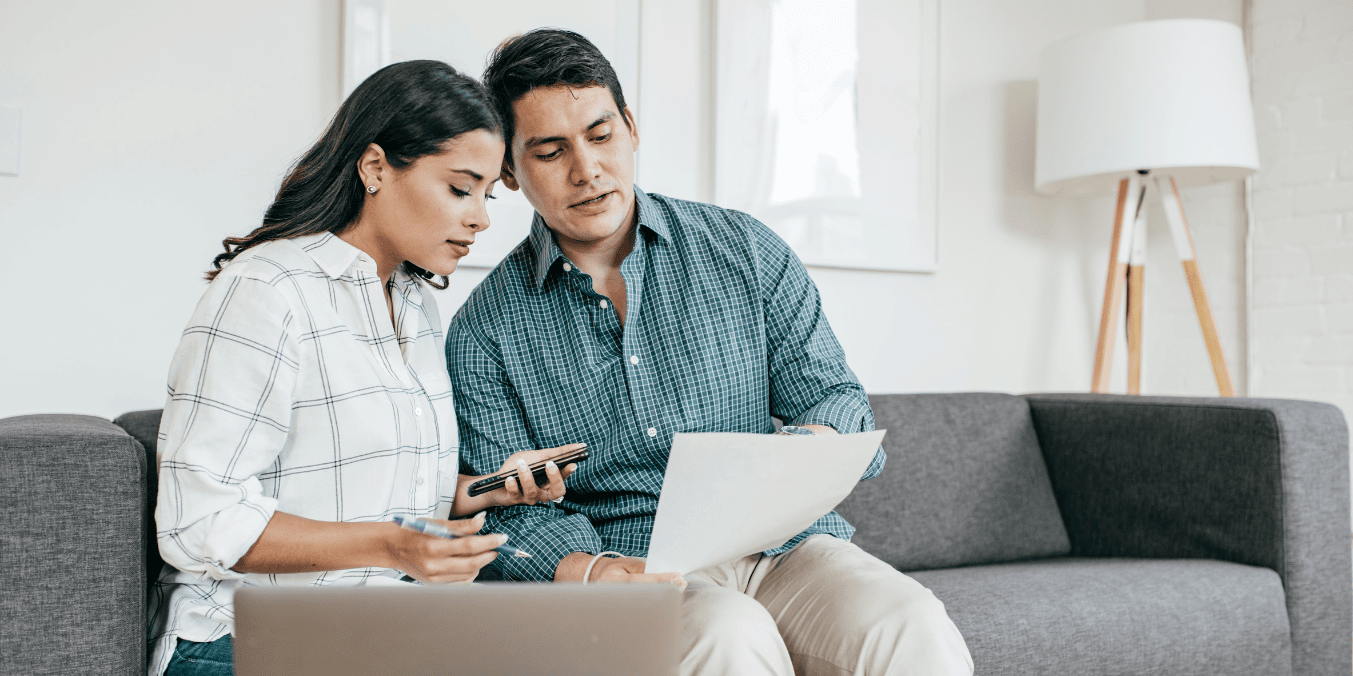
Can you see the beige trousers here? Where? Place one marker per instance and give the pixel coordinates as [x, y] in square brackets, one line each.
[825, 607]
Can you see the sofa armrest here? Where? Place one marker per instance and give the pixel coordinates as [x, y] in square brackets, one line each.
[72, 542]
[1263, 482]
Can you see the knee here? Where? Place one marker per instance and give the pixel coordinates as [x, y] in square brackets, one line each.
[732, 634]
[921, 632]
[923, 613]
[735, 617]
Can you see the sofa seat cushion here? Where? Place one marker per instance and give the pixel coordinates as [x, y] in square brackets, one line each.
[1118, 616]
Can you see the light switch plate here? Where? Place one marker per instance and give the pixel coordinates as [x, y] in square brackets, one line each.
[9, 140]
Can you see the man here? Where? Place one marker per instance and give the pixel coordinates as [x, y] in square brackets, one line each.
[627, 317]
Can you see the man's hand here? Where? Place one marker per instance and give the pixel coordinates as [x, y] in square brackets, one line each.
[522, 489]
[819, 429]
[627, 569]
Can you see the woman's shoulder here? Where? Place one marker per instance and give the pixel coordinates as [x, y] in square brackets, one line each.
[276, 277]
[275, 261]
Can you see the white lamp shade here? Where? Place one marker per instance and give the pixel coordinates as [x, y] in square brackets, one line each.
[1170, 96]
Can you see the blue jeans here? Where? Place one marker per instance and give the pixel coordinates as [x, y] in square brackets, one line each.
[216, 658]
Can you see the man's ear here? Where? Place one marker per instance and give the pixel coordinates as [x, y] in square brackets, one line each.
[509, 177]
[633, 127]
[371, 166]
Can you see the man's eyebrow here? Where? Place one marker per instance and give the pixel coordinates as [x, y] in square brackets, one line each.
[605, 117]
[541, 140]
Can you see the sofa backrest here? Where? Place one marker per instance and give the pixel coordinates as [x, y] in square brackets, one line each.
[72, 524]
[144, 426]
[965, 483]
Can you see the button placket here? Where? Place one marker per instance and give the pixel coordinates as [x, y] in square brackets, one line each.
[418, 396]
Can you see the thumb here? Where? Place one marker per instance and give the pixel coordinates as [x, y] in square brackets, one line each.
[468, 526]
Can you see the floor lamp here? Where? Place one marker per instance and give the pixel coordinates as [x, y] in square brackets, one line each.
[1155, 103]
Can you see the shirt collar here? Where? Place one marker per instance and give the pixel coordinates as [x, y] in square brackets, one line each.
[650, 217]
[333, 255]
[547, 251]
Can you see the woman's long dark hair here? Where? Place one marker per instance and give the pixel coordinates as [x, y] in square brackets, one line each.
[410, 110]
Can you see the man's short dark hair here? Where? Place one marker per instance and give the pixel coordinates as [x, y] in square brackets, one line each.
[546, 57]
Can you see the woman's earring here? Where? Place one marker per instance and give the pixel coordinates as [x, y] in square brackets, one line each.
[371, 189]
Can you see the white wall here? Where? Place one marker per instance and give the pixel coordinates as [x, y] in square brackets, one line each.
[154, 129]
[151, 130]
[1303, 196]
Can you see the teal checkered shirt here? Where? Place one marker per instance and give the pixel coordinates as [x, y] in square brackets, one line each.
[723, 330]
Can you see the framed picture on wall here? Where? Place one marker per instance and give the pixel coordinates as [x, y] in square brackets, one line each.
[826, 116]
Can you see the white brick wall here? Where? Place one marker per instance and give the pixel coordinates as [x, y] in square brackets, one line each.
[1302, 54]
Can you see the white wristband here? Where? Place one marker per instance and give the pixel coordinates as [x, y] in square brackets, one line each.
[587, 573]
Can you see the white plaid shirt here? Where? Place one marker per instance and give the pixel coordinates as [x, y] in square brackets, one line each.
[289, 391]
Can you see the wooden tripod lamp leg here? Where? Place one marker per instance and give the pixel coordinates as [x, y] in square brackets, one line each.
[1136, 296]
[1113, 286]
[1179, 229]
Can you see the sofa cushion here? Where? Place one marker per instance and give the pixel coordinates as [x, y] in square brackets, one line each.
[965, 483]
[1181, 617]
[144, 426]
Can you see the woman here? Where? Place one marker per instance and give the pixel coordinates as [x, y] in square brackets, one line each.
[309, 402]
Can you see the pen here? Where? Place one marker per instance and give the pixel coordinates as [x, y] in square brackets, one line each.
[439, 531]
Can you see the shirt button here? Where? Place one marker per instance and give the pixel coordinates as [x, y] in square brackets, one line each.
[602, 303]
[634, 359]
[652, 432]
[568, 268]
[420, 481]
[417, 410]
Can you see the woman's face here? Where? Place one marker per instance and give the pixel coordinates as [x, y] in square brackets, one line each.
[429, 212]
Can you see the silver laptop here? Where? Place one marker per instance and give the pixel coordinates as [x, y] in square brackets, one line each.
[495, 629]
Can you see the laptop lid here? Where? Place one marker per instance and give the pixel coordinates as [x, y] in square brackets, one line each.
[480, 630]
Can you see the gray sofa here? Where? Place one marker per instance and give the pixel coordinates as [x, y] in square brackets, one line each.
[1066, 534]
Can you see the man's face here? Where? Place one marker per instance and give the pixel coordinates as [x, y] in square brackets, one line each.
[574, 160]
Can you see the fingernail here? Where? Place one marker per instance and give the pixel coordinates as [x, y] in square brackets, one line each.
[502, 538]
[551, 465]
[521, 463]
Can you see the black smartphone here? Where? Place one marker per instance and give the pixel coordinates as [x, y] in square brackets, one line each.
[496, 481]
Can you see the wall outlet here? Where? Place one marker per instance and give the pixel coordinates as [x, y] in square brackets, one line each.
[9, 141]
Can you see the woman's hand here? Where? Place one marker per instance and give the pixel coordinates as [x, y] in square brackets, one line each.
[437, 560]
[522, 489]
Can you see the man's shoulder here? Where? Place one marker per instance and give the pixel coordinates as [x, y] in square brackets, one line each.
[689, 214]
[698, 223]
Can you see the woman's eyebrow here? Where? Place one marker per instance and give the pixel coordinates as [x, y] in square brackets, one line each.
[469, 173]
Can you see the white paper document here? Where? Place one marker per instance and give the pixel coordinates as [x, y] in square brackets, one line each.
[729, 495]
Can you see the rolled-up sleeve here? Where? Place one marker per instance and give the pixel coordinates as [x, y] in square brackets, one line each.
[231, 386]
[492, 427]
[810, 382]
